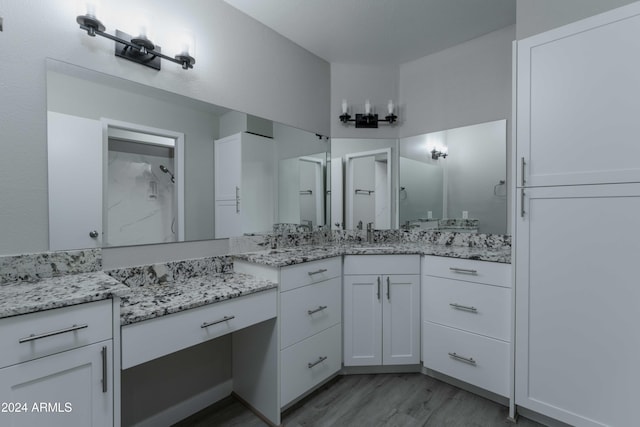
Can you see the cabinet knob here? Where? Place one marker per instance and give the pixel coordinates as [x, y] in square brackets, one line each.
[93, 234]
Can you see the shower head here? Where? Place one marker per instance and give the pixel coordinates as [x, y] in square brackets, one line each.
[164, 169]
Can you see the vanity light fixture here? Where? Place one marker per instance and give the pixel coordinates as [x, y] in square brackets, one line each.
[138, 49]
[435, 154]
[368, 119]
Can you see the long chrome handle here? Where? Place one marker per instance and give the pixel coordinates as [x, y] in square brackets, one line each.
[388, 288]
[322, 270]
[468, 360]
[378, 287]
[320, 308]
[463, 307]
[463, 270]
[522, 202]
[34, 337]
[215, 322]
[237, 199]
[104, 369]
[320, 360]
[522, 163]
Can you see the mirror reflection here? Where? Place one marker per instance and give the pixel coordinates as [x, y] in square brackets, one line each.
[455, 179]
[131, 164]
[363, 178]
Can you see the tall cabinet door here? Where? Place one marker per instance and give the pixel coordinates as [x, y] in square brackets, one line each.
[362, 320]
[228, 167]
[578, 103]
[65, 389]
[401, 320]
[577, 299]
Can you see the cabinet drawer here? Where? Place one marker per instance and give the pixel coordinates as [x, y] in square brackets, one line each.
[35, 335]
[445, 349]
[309, 362]
[382, 264]
[474, 307]
[491, 273]
[157, 337]
[308, 310]
[306, 273]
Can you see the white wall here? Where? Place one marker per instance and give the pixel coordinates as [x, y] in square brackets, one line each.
[241, 65]
[536, 16]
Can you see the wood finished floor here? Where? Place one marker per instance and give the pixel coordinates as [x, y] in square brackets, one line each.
[371, 401]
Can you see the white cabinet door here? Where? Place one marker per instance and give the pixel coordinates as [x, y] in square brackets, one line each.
[74, 150]
[228, 219]
[401, 320]
[362, 320]
[228, 171]
[577, 103]
[65, 389]
[577, 302]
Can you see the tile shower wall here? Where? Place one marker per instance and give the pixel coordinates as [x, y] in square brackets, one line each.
[140, 200]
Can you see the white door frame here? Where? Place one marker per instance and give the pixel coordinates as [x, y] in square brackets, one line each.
[178, 166]
[349, 188]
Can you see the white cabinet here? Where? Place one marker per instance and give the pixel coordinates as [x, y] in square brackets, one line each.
[57, 367]
[466, 329]
[577, 102]
[245, 179]
[577, 245]
[310, 326]
[576, 304]
[381, 310]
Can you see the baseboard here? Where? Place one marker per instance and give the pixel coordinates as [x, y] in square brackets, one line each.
[383, 369]
[539, 418]
[182, 410]
[502, 400]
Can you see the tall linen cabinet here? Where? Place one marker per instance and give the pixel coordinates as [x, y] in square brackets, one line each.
[577, 234]
[245, 190]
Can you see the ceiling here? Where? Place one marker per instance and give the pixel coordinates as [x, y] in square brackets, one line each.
[379, 32]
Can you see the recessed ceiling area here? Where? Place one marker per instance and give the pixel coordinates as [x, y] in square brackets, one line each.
[379, 32]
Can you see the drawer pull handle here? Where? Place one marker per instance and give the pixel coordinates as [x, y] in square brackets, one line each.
[463, 270]
[388, 288]
[378, 287]
[463, 307]
[322, 270]
[320, 308]
[215, 322]
[34, 337]
[468, 360]
[104, 369]
[320, 360]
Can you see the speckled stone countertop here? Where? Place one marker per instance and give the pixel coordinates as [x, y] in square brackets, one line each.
[23, 297]
[300, 254]
[159, 299]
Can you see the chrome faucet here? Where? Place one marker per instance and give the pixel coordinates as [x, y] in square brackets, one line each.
[369, 232]
[359, 226]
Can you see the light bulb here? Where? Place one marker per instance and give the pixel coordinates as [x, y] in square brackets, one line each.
[367, 107]
[390, 107]
[344, 106]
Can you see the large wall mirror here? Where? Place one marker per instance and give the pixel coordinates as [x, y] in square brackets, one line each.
[455, 179]
[130, 164]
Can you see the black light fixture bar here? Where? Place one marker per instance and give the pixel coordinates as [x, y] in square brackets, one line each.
[367, 120]
[139, 49]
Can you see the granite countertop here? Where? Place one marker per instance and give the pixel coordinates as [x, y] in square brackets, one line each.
[155, 300]
[300, 254]
[23, 297]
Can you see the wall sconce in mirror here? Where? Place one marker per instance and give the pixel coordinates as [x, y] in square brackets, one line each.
[138, 48]
[368, 119]
[436, 154]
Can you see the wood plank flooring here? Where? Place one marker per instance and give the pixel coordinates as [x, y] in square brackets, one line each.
[371, 401]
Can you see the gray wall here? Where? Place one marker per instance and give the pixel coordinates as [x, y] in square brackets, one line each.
[241, 65]
[536, 16]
